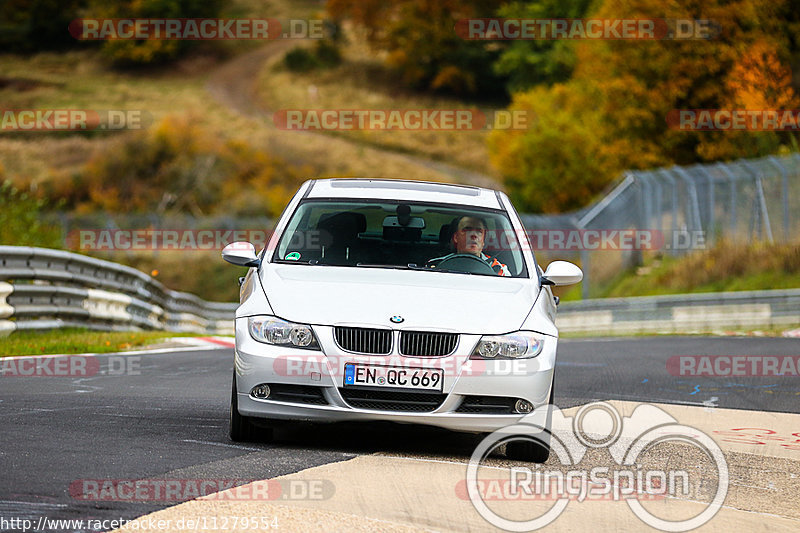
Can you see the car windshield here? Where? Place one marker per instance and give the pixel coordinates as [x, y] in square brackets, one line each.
[406, 235]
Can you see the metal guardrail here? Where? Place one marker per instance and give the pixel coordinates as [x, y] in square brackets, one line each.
[682, 313]
[42, 288]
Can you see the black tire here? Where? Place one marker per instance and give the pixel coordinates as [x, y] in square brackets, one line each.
[536, 450]
[528, 450]
[241, 428]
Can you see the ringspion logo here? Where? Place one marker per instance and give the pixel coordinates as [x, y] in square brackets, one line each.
[598, 425]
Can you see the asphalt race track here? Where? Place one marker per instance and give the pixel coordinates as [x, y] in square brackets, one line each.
[168, 419]
[634, 369]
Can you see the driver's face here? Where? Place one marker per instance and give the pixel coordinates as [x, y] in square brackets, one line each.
[469, 236]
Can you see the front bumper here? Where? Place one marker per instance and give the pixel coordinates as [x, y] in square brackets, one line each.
[257, 363]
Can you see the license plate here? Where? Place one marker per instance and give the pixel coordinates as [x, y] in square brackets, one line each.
[356, 375]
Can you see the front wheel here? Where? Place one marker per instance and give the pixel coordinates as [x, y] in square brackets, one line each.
[534, 450]
[241, 428]
[528, 450]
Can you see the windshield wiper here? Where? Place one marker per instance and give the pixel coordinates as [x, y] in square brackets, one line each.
[313, 262]
[414, 266]
[372, 265]
[292, 262]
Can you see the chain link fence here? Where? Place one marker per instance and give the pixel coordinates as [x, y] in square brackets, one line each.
[675, 210]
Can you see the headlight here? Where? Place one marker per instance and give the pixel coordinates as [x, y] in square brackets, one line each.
[518, 345]
[272, 330]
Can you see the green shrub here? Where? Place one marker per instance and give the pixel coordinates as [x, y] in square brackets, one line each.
[300, 60]
[324, 55]
[130, 52]
[327, 53]
[21, 220]
[180, 166]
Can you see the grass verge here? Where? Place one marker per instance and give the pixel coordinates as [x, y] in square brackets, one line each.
[75, 340]
[721, 332]
[82, 80]
[726, 267]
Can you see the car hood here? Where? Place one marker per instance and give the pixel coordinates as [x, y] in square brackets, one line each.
[327, 295]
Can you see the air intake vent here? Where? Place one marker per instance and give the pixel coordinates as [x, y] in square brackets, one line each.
[417, 402]
[364, 340]
[495, 405]
[426, 344]
[280, 392]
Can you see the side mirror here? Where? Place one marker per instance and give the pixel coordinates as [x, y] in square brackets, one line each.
[561, 273]
[241, 254]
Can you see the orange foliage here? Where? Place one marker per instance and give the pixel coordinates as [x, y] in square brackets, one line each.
[179, 166]
[622, 91]
[759, 80]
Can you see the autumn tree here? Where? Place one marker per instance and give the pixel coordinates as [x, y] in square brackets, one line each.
[33, 25]
[129, 52]
[758, 80]
[420, 43]
[621, 91]
[530, 62]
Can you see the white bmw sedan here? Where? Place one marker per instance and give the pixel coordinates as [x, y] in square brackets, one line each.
[393, 300]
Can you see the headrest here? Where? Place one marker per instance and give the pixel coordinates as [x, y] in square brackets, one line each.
[446, 232]
[346, 222]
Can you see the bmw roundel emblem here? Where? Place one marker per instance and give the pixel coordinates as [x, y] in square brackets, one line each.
[397, 319]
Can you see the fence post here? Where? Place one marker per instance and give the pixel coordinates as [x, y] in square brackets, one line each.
[674, 211]
[732, 179]
[710, 232]
[785, 187]
[585, 264]
[760, 199]
[646, 193]
[695, 207]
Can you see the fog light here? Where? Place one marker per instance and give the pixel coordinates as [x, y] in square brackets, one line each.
[260, 391]
[523, 407]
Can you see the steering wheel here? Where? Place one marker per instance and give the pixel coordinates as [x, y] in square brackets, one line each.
[466, 263]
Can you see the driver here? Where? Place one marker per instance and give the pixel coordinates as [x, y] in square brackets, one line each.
[468, 238]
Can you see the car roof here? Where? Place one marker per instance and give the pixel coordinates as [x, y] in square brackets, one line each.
[404, 190]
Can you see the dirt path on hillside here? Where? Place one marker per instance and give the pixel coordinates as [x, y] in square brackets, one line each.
[234, 85]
